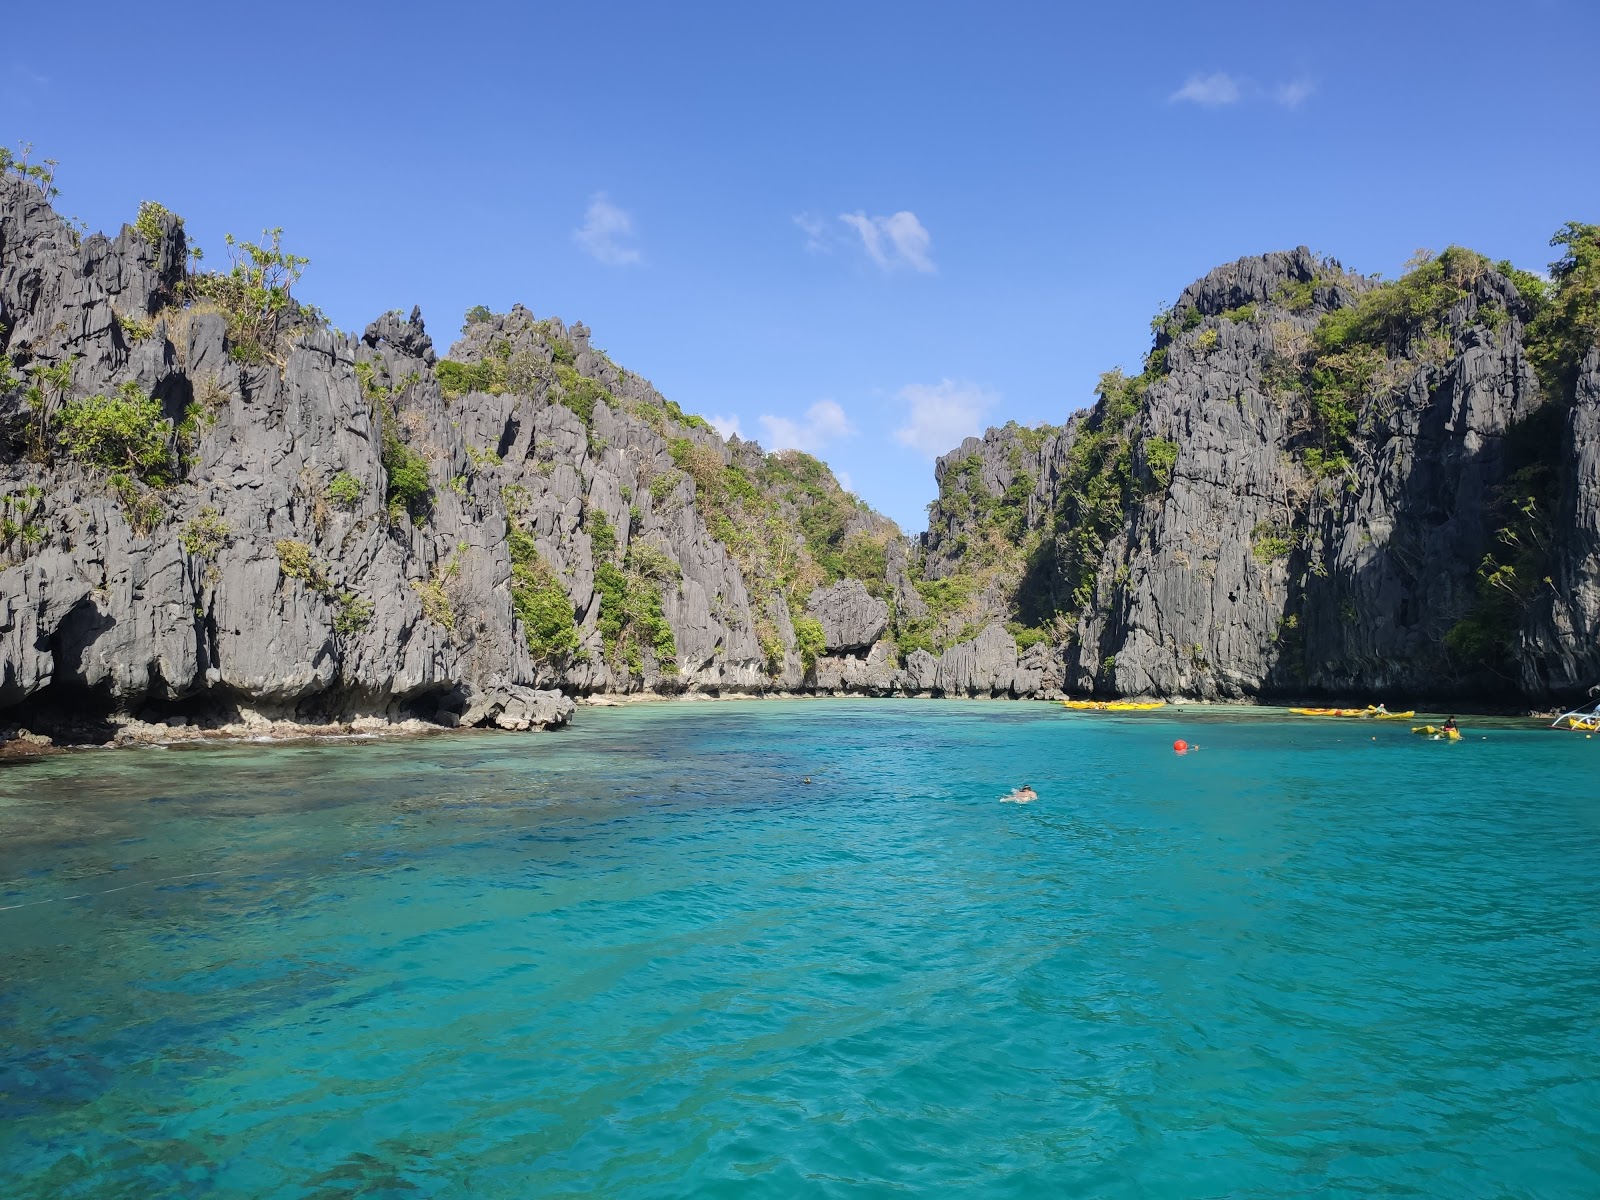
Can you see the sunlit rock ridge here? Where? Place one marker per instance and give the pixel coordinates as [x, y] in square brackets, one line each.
[215, 503]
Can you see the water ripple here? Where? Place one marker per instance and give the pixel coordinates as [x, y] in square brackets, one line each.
[645, 959]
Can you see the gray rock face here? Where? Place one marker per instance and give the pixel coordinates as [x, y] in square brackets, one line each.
[1261, 280]
[1561, 643]
[875, 674]
[851, 618]
[512, 706]
[985, 666]
[317, 594]
[1360, 600]
[1236, 571]
[921, 672]
[998, 464]
[409, 337]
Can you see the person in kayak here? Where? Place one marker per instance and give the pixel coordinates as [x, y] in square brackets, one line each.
[1449, 725]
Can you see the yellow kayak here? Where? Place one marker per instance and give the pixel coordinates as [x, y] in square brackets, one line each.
[1112, 706]
[1587, 724]
[1450, 735]
[1369, 711]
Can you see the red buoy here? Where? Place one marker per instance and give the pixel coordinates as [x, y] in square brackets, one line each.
[1180, 746]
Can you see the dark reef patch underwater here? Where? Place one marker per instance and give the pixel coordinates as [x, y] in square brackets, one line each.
[642, 958]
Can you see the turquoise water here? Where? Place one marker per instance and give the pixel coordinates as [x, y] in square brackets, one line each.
[641, 958]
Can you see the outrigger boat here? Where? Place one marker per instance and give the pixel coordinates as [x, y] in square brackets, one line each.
[1371, 711]
[1113, 705]
[1584, 720]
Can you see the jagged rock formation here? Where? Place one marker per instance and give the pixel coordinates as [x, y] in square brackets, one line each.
[1318, 486]
[511, 706]
[218, 508]
[852, 619]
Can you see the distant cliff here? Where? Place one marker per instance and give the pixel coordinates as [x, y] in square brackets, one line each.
[215, 504]
[1318, 485]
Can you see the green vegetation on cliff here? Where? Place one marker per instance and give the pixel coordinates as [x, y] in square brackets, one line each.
[126, 432]
[1565, 327]
[540, 602]
[253, 295]
[409, 488]
[630, 598]
[787, 524]
[630, 616]
[1096, 488]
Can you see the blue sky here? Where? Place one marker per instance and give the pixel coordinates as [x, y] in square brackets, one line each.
[866, 229]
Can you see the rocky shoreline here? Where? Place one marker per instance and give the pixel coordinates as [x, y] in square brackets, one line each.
[20, 744]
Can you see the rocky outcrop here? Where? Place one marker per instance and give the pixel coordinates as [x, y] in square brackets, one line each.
[921, 672]
[511, 706]
[22, 745]
[874, 673]
[985, 666]
[852, 618]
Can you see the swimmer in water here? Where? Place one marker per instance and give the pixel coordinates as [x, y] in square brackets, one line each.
[1022, 795]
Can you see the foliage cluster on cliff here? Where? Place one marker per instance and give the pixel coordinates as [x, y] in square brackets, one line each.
[1565, 326]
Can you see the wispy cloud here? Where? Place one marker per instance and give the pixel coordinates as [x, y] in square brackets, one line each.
[1210, 91]
[819, 238]
[940, 415]
[894, 241]
[824, 422]
[1294, 93]
[606, 231]
[1219, 90]
[845, 481]
[727, 426]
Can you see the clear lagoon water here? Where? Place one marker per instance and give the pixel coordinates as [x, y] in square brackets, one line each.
[642, 958]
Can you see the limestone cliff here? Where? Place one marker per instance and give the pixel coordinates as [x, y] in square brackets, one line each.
[1319, 485]
[215, 503]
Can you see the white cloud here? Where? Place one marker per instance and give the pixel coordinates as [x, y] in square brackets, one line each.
[818, 238]
[824, 422]
[1221, 89]
[1211, 91]
[940, 415]
[727, 426]
[605, 232]
[1293, 93]
[845, 481]
[891, 242]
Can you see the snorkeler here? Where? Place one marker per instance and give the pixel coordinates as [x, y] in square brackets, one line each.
[1022, 795]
